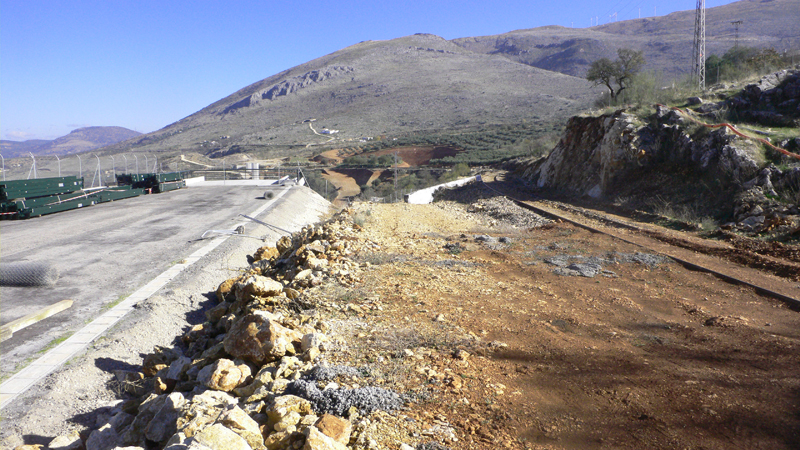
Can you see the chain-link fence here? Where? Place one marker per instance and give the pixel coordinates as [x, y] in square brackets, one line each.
[28, 274]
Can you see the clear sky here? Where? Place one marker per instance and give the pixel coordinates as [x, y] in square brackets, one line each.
[143, 64]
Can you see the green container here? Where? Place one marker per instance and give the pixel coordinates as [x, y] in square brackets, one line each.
[118, 193]
[40, 187]
[170, 186]
[63, 206]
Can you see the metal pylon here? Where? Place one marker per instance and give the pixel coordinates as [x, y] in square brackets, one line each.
[699, 51]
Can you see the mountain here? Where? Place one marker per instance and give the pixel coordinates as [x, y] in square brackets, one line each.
[666, 41]
[77, 141]
[374, 88]
[423, 82]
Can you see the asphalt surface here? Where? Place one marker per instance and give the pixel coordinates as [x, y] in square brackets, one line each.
[107, 251]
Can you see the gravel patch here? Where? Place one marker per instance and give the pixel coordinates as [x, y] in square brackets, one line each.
[339, 401]
[323, 373]
[591, 266]
[491, 205]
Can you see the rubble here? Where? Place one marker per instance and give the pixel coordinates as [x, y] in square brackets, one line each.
[246, 378]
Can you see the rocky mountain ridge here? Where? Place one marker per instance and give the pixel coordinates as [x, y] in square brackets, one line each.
[423, 82]
[666, 41]
[374, 88]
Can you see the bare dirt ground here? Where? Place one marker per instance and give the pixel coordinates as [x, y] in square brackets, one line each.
[643, 356]
[476, 312]
[412, 156]
[419, 155]
[345, 184]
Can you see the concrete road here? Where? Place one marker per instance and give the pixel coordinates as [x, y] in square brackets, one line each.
[107, 251]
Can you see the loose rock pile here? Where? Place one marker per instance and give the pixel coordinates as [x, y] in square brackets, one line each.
[251, 376]
[492, 205]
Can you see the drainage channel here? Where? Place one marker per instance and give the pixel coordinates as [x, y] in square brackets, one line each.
[53, 359]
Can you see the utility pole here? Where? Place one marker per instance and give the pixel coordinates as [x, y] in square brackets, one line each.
[736, 24]
[699, 51]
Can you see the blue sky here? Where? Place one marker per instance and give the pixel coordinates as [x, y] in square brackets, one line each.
[144, 64]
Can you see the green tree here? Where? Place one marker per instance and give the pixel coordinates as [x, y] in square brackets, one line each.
[616, 75]
[741, 62]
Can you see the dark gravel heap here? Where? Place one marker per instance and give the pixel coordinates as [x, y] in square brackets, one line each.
[322, 373]
[339, 401]
[489, 203]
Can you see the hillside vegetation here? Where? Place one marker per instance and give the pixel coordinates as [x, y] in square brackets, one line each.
[376, 88]
[424, 84]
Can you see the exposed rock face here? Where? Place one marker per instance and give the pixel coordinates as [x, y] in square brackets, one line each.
[599, 156]
[597, 152]
[588, 156]
[773, 101]
[291, 85]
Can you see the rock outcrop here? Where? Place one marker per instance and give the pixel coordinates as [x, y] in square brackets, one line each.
[290, 86]
[608, 156]
[772, 101]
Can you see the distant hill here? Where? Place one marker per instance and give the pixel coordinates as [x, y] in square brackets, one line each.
[418, 83]
[666, 41]
[77, 141]
[375, 88]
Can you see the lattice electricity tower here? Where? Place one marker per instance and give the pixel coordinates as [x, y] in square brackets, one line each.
[699, 52]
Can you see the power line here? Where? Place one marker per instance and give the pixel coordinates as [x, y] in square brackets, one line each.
[736, 24]
[699, 50]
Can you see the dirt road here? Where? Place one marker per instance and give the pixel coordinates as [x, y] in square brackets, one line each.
[505, 331]
[645, 354]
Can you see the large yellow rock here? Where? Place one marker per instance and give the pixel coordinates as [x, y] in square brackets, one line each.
[223, 375]
[335, 427]
[225, 289]
[284, 244]
[241, 423]
[218, 437]
[316, 440]
[259, 338]
[266, 252]
[257, 286]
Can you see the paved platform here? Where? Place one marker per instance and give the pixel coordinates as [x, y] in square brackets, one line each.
[112, 254]
[78, 341]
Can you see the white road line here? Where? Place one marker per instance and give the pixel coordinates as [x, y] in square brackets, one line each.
[50, 361]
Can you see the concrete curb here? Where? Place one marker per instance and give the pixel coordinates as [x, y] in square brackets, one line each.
[53, 359]
[7, 330]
